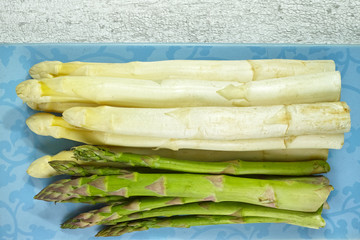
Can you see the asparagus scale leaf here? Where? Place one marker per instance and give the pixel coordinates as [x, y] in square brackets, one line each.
[115, 211]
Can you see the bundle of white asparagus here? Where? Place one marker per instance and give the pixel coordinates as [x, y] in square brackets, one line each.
[253, 105]
[274, 119]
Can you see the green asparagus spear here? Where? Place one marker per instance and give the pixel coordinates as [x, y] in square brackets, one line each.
[73, 168]
[182, 222]
[115, 211]
[313, 220]
[236, 167]
[282, 194]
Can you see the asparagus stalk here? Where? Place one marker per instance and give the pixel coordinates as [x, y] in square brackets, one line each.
[215, 123]
[185, 222]
[73, 168]
[290, 195]
[313, 220]
[235, 167]
[123, 92]
[241, 71]
[114, 211]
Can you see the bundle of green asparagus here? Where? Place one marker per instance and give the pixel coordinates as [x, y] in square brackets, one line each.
[187, 143]
[227, 199]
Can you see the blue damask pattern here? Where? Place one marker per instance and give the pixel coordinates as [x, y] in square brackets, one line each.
[21, 217]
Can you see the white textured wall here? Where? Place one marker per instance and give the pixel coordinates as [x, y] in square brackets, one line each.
[247, 21]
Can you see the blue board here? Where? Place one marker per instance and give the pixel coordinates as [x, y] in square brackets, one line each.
[21, 217]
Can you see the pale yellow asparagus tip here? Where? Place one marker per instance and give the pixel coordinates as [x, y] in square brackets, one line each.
[37, 92]
[40, 168]
[47, 124]
[46, 69]
[40, 122]
[29, 90]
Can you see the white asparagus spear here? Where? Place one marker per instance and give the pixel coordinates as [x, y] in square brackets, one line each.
[241, 71]
[50, 125]
[215, 123]
[40, 167]
[123, 92]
